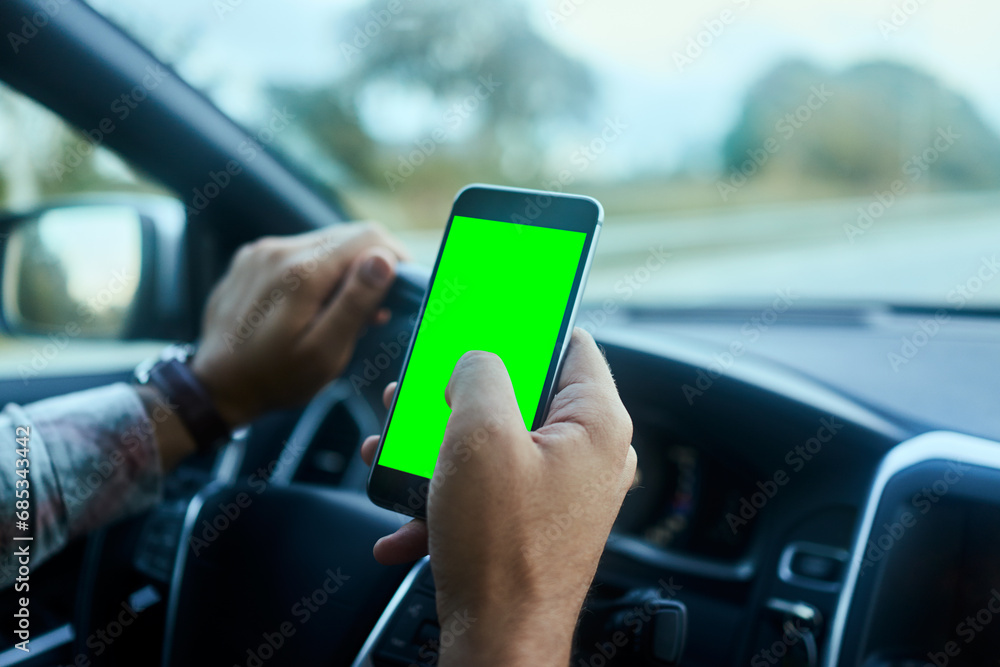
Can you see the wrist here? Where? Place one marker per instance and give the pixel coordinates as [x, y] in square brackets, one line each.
[521, 635]
[172, 378]
[173, 441]
[235, 411]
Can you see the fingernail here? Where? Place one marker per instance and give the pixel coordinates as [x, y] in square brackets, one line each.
[376, 270]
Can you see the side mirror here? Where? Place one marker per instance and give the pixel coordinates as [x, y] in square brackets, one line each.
[110, 268]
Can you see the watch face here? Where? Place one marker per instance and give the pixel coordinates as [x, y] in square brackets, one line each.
[180, 352]
[141, 373]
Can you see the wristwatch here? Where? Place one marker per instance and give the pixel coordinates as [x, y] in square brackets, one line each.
[171, 375]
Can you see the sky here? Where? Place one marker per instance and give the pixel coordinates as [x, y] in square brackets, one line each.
[678, 111]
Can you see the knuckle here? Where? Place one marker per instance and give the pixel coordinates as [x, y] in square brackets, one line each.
[479, 357]
[298, 267]
[373, 226]
[264, 248]
[374, 232]
[358, 300]
[625, 424]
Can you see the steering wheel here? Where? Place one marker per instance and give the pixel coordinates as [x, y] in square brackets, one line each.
[284, 575]
[276, 572]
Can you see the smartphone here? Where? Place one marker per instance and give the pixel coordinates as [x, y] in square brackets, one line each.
[508, 279]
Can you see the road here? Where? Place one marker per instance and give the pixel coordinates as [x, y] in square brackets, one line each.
[917, 251]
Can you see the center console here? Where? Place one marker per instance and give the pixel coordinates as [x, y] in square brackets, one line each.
[923, 581]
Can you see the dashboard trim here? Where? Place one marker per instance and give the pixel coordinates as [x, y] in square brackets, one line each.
[932, 446]
[759, 372]
[364, 657]
[637, 549]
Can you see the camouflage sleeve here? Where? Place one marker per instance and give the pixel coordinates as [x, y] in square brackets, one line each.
[80, 461]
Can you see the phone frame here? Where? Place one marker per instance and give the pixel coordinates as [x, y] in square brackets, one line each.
[407, 493]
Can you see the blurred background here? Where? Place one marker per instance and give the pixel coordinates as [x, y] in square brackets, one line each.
[840, 151]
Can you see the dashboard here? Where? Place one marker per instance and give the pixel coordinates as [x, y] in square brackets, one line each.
[748, 499]
[685, 499]
[750, 490]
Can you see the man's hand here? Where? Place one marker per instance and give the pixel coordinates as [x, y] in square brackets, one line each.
[284, 319]
[517, 520]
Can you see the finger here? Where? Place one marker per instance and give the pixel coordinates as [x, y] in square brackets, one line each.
[319, 260]
[368, 448]
[375, 233]
[482, 403]
[388, 393]
[360, 294]
[587, 395]
[347, 240]
[382, 315]
[584, 363]
[405, 545]
[631, 466]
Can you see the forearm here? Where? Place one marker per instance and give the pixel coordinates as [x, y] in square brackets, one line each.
[509, 634]
[512, 651]
[173, 441]
[92, 458]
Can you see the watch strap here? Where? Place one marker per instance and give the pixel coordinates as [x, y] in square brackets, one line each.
[190, 400]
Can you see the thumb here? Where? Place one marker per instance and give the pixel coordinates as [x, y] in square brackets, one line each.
[482, 401]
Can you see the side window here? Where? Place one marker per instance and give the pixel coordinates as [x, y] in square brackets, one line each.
[43, 159]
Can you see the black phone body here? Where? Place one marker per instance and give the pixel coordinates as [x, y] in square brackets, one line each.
[508, 279]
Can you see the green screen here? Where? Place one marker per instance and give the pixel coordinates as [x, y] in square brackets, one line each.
[500, 287]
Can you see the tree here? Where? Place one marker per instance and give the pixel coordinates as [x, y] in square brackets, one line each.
[863, 129]
[449, 49]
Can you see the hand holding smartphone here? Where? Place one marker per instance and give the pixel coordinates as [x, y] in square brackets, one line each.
[508, 280]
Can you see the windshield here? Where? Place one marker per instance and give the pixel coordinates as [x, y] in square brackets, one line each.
[743, 150]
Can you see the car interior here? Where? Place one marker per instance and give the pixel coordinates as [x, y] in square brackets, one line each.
[819, 462]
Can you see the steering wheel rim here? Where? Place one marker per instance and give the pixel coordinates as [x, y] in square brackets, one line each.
[343, 509]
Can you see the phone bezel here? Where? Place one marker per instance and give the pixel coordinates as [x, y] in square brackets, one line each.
[405, 492]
